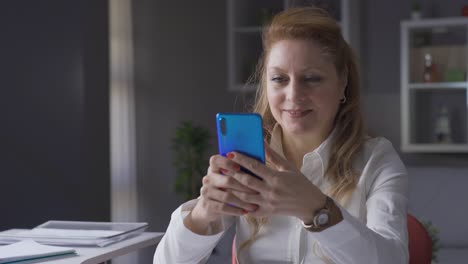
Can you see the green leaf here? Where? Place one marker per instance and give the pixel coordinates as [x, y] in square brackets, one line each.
[189, 146]
[433, 232]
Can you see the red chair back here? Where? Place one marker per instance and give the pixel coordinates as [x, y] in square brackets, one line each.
[419, 242]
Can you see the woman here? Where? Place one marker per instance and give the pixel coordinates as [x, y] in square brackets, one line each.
[329, 194]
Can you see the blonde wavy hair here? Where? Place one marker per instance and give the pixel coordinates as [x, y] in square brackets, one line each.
[311, 23]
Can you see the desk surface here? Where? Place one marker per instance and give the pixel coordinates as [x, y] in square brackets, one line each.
[95, 255]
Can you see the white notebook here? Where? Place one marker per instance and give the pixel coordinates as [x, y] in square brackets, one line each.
[31, 250]
[75, 233]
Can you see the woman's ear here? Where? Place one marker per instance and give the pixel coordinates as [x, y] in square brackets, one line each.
[344, 81]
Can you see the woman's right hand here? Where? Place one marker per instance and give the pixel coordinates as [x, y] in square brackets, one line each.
[216, 198]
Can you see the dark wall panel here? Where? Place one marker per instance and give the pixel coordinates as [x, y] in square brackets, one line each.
[54, 160]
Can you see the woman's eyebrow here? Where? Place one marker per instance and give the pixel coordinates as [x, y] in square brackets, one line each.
[303, 70]
[275, 68]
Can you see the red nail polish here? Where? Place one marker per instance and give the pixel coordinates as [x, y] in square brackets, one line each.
[244, 211]
[236, 167]
[230, 155]
[223, 171]
[222, 189]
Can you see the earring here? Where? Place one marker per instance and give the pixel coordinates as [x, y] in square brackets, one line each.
[343, 100]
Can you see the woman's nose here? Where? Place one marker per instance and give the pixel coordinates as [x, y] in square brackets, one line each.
[295, 91]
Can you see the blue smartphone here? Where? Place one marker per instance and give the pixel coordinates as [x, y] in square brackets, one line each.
[241, 132]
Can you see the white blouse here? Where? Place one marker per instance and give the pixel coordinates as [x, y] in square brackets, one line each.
[373, 229]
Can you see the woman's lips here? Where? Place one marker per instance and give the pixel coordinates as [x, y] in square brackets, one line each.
[297, 113]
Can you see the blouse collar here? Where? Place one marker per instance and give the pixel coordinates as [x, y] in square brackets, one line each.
[322, 152]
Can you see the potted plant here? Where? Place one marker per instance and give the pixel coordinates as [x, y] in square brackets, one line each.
[434, 234]
[189, 146]
[416, 11]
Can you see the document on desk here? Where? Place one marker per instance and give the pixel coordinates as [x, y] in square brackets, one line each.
[75, 233]
[68, 233]
[30, 250]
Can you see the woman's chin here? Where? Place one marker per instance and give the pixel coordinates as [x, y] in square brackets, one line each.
[298, 129]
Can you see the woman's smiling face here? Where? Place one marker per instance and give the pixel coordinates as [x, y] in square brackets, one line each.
[303, 87]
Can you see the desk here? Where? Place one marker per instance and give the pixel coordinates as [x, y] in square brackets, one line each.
[95, 255]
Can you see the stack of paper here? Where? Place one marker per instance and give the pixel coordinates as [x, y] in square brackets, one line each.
[75, 233]
[30, 250]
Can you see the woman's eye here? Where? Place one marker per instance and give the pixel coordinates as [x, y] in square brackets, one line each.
[313, 79]
[278, 79]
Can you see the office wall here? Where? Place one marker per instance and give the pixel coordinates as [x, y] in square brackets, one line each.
[54, 150]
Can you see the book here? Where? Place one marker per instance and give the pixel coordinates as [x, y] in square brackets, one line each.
[30, 250]
[75, 233]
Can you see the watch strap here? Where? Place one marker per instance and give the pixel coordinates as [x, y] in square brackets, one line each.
[331, 210]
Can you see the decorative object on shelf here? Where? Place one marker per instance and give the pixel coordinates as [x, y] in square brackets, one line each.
[454, 75]
[454, 66]
[190, 144]
[464, 11]
[434, 234]
[430, 73]
[416, 11]
[442, 128]
[421, 39]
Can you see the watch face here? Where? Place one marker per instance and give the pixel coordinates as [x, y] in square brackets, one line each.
[322, 219]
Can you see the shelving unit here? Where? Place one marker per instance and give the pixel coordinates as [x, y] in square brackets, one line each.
[244, 28]
[434, 85]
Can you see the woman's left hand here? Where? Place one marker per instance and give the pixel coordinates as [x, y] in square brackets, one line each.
[283, 191]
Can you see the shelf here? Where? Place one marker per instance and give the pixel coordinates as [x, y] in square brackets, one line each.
[435, 22]
[244, 27]
[431, 111]
[439, 85]
[243, 88]
[435, 148]
[248, 30]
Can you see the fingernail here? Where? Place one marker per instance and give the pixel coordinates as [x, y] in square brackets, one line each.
[222, 189]
[236, 167]
[223, 171]
[230, 155]
[244, 212]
